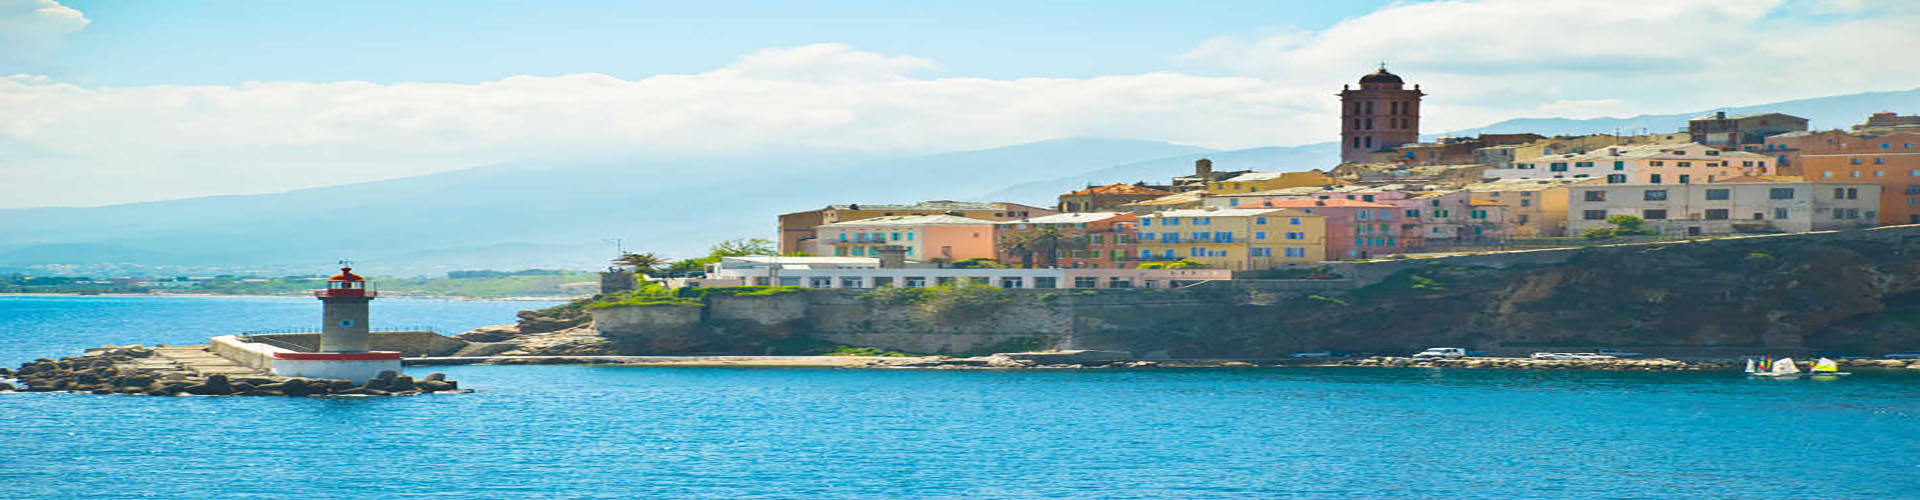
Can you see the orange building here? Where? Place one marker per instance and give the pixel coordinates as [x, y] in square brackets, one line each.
[1893, 161]
[1095, 240]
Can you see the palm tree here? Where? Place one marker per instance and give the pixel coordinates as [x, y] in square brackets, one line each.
[1047, 242]
[1017, 244]
[642, 263]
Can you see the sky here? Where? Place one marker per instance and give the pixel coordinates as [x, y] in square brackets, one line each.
[106, 102]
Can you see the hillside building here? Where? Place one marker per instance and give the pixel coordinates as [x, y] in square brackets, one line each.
[1892, 161]
[1094, 240]
[1234, 239]
[797, 229]
[1642, 164]
[1535, 208]
[1744, 205]
[927, 238]
[1107, 198]
[1741, 132]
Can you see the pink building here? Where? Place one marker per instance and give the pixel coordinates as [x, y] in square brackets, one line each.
[1355, 229]
[928, 238]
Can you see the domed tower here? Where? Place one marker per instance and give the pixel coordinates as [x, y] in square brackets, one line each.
[1382, 113]
[345, 314]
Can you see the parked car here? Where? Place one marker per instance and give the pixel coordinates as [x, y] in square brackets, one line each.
[1903, 355]
[1442, 352]
[1618, 353]
[1552, 355]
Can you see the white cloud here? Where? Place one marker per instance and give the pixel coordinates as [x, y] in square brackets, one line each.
[1487, 60]
[30, 28]
[168, 141]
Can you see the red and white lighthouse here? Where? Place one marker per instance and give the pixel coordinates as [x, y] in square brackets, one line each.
[344, 347]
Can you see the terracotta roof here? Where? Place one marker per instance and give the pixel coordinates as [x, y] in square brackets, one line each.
[1484, 203]
[1120, 189]
[1066, 218]
[913, 220]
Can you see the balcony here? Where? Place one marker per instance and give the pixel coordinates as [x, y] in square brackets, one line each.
[342, 292]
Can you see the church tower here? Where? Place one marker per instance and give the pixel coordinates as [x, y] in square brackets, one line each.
[1382, 113]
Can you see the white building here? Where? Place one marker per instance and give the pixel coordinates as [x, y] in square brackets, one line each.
[1642, 164]
[1727, 207]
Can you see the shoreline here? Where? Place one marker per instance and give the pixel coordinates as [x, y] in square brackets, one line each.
[1042, 361]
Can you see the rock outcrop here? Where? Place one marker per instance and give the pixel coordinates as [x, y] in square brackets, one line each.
[115, 370]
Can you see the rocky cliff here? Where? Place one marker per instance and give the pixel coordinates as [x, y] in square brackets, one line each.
[1857, 291]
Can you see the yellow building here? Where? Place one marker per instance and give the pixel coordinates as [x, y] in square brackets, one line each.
[1234, 239]
[1262, 181]
[1535, 207]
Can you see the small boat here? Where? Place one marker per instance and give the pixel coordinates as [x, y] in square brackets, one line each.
[1827, 368]
[1782, 368]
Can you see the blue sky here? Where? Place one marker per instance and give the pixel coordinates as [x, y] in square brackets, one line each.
[121, 101]
[157, 42]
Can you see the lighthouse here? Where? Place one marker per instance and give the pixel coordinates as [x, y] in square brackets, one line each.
[344, 327]
[345, 351]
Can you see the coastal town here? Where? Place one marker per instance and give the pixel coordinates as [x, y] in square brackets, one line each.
[1392, 196]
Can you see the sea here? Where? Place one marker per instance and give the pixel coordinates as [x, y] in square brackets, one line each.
[624, 432]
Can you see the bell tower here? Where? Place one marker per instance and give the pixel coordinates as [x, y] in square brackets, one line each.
[1382, 113]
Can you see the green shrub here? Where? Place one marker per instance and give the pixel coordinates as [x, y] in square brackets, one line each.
[960, 302]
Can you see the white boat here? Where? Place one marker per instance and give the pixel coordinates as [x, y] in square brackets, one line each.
[1780, 368]
[1827, 368]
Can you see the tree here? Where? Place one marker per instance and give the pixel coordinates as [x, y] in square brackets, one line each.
[643, 263]
[1623, 225]
[1045, 242]
[977, 263]
[741, 247]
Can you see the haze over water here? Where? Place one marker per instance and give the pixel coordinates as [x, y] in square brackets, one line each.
[609, 432]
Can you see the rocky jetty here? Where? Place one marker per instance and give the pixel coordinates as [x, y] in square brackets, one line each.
[137, 370]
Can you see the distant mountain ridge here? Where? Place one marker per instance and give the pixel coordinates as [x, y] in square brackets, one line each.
[551, 214]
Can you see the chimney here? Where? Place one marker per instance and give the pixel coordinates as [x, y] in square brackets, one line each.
[1203, 168]
[892, 256]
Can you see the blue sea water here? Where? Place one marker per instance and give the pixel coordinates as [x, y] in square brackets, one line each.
[612, 432]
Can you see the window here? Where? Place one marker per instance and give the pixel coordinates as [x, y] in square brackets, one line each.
[1719, 194]
[1656, 163]
[1169, 237]
[1683, 178]
[852, 282]
[1202, 221]
[1854, 161]
[1197, 236]
[1685, 164]
[1197, 252]
[1557, 167]
[1476, 214]
[1617, 179]
[1716, 214]
[1413, 213]
[1223, 237]
[1260, 252]
[1362, 215]
[1526, 203]
[1596, 195]
[1655, 195]
[1260, 220]
[1653, 178]
[1359, 242]
[1171, 221]
[819, 282]
[1594, 214]
[1294, 221]
[1522, 219]
[1654, 214]
[1085, 282]
[1619, 165]
[1780, 194]
[1146, 222]
[1780, 213]
[843, 237]
[1296, 252]
[1146, 236]
[1296, 236]
[1259, 235]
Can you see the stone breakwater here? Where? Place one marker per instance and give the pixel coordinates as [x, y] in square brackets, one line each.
[137, 370]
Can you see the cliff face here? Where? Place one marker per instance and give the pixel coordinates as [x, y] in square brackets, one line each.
[1857, 292]
[1825, 293]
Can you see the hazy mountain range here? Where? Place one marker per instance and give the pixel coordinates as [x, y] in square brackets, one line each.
[557, 214]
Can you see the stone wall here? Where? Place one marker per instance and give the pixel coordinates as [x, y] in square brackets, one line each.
[409, 344]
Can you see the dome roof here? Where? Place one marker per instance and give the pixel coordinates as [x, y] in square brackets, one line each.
[1381, 76]
[346, 274]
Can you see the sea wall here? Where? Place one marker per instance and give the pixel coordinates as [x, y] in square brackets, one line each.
[1854, 291]
[409, 344]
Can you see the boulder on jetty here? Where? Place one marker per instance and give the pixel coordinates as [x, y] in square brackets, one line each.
[113, 370]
